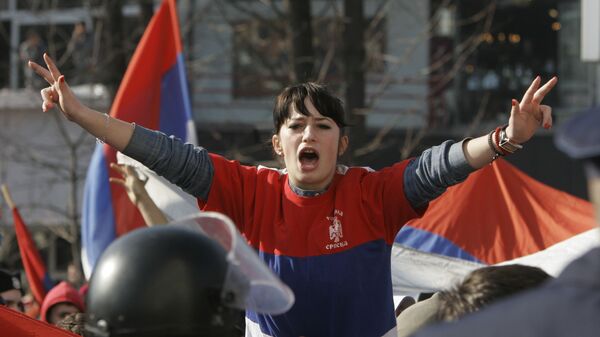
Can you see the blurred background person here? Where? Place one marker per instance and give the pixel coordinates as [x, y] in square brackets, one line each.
[32, 48]
[61, 301]
[10, 290]
[79, 50]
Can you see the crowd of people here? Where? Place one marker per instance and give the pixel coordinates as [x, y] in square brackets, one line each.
[324, 228]
[62, 301]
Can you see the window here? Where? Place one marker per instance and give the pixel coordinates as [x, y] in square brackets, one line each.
[261, 54]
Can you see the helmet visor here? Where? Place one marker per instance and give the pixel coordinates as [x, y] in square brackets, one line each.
[249, 283]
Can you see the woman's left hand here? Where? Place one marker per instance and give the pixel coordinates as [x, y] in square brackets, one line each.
[529, 114]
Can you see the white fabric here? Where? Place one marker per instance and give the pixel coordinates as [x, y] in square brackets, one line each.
[172, 200]
[253, 329]
[414, 271]
[555, 258]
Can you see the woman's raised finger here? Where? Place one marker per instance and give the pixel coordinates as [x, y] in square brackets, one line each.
[52, 67]
[43, 72]
[544, 90]
[531, 90]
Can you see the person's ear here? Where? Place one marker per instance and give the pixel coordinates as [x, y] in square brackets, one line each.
[343, 145]
[277, 145]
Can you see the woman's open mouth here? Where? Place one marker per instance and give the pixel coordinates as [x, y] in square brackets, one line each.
[309, 159]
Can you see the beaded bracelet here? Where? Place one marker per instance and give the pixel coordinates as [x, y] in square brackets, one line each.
[491, 144]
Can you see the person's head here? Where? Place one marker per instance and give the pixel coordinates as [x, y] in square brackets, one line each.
[61, 301]
[10, 290]
[73, 322]
[309, 134]
[579, 138]
[405, 303]
[79, 28]
[33, 36]
[486, 285]
[161, 281]
[74, 276]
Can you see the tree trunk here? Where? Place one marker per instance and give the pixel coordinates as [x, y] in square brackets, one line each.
[114, 62]
[354, 66]
[146, 11]
[74, 224]
[300, 32]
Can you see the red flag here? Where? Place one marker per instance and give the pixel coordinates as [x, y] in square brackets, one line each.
[16, 324]
[35, 269]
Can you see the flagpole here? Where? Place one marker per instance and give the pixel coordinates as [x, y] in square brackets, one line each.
[7, 196]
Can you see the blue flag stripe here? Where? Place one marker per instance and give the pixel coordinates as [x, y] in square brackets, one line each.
[432, 243]
[98, 222]
[175, 108]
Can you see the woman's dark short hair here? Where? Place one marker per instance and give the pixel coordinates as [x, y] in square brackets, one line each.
[327, 104]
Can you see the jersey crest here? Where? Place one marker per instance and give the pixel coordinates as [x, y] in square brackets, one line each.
[336, 232]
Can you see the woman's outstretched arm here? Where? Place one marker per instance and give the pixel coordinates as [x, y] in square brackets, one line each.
[185, 165]
[439, 167]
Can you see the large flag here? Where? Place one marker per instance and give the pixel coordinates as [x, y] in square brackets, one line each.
[498, 215]
[154, 94]
[37, 275]
[16, 324]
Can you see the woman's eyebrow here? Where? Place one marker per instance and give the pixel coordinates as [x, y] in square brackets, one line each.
[317, 119]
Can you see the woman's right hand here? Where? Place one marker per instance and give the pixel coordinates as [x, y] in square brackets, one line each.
[58, 93]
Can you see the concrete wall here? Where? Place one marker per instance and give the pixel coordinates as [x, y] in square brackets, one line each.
[35, 160]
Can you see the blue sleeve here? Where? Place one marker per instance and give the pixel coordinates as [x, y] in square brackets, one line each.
[428, 175]
[185, 165]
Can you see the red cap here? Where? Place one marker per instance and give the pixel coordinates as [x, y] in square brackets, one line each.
[62, 293]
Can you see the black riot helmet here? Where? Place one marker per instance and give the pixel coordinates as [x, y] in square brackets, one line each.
[160, 281]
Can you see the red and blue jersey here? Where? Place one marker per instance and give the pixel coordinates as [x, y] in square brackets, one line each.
[332, 249]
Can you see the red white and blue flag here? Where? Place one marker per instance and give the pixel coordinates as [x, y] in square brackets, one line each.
[154, 94]
[499, 215]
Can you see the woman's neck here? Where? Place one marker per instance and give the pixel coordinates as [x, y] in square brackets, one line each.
[306, 193]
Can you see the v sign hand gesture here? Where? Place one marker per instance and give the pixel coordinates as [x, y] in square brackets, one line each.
[113, 131]
[525, 118]
[58, 92]
[529, 114]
